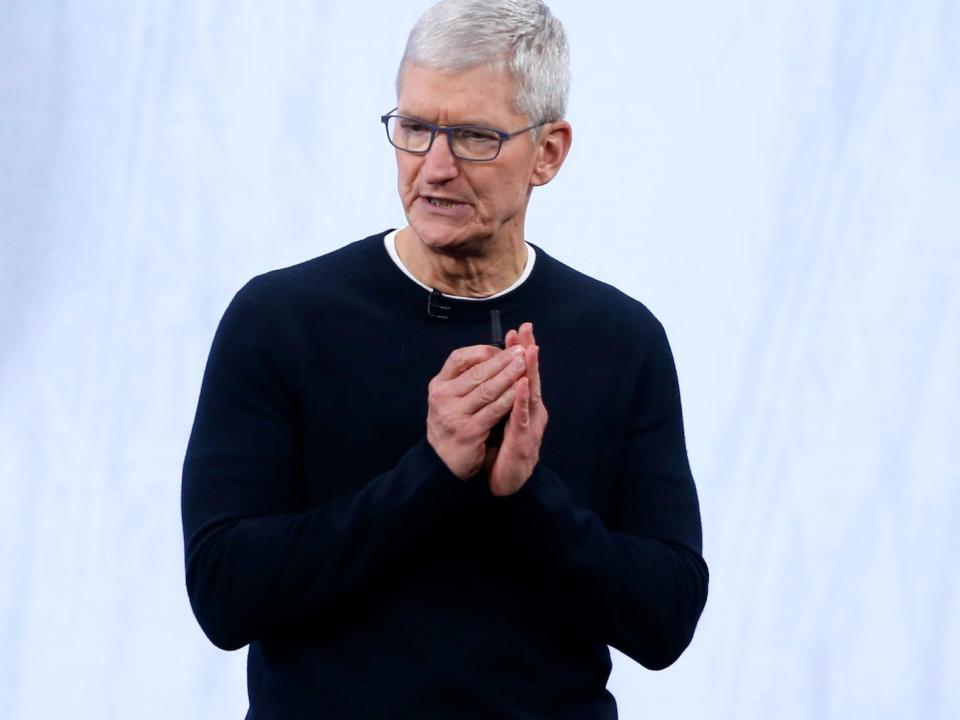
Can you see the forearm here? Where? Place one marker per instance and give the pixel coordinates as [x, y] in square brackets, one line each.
[640, 594]
[252, 575]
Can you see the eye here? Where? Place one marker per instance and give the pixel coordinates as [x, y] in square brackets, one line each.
[477, 135]
[412, 126]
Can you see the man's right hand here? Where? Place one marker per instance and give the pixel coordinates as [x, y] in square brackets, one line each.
[469, 395]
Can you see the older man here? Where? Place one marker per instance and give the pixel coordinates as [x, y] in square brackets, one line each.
[375, 496]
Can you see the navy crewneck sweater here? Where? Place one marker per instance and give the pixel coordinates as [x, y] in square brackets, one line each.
[322, 529]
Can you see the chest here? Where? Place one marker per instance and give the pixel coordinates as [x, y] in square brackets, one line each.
[364, 405]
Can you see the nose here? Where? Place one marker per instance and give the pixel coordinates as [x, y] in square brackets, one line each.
[439, 163]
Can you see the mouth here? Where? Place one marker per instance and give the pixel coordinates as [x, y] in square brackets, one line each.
[442, 203]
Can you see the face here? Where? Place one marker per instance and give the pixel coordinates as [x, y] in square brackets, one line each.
[459, 206]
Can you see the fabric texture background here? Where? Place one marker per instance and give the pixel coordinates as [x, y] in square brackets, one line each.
[778, 183]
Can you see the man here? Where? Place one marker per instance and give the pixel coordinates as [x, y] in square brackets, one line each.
[355, 508]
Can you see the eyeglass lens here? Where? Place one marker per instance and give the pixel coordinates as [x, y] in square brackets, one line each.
[470, 143]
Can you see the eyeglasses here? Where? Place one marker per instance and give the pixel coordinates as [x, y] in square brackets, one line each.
[467, 142]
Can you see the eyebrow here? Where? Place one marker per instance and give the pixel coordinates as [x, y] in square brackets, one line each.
[469, 123]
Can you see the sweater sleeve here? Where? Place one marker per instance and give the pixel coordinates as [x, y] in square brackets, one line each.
[635, 579]
[256, 561]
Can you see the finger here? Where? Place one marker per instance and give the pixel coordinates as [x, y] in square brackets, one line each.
[533, 372]
[471, 378]
[520, 414]
[462, 359]
[526, 334]
[496, 385]
[490, 414]
[512, 338]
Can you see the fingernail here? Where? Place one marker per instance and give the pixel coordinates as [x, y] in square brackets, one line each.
[517, 350]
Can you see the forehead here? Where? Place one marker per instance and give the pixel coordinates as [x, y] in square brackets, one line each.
[476, 95]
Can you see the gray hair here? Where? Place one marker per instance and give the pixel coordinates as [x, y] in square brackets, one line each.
[521, 36]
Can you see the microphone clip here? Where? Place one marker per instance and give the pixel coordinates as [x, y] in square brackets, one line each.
[435, 308]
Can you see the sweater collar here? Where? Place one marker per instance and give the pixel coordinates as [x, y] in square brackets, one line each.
[450, 308]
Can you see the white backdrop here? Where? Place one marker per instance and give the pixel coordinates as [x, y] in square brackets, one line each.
[778, 182]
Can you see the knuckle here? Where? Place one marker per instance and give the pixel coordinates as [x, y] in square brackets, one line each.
[442, 416]
[485, 393]
[456, 360]
[448, 416]
[475, 375]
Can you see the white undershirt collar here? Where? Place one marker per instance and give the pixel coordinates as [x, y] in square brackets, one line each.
[390, 243]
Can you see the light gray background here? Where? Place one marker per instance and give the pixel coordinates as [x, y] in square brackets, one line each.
[779, 182]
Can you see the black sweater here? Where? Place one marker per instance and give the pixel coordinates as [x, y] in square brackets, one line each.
[323, 530]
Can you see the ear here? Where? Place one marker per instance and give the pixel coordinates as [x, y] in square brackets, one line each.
[552, 148]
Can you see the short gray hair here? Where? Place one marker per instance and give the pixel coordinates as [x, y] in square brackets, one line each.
[521, 36]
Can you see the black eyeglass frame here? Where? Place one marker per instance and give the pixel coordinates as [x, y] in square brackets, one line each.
[448, 131]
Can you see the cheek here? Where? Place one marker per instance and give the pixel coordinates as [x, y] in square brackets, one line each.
[406, 174]
[504, 196]
[505, 181]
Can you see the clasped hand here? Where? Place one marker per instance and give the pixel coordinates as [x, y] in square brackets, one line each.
[475, 389]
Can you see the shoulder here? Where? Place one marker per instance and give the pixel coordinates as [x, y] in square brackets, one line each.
[609, 311]
[324, 276]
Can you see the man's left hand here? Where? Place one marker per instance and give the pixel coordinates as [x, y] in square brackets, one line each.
[511, 464]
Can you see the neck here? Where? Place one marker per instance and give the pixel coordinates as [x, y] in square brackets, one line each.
[478, 274]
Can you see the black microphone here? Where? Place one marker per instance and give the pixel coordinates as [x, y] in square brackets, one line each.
[496, 339]
[496, 330]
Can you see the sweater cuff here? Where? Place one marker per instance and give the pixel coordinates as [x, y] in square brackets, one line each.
[422, 460]
[549, 529]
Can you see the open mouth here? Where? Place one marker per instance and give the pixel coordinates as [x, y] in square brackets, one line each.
[441, 203]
